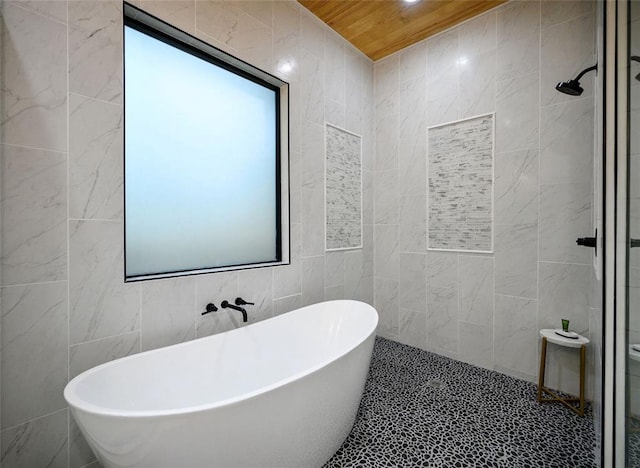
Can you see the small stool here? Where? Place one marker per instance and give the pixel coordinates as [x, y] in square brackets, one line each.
[579, 342]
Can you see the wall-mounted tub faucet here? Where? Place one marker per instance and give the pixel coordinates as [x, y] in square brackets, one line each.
[226, 305]
[239, 301]
[210, 308]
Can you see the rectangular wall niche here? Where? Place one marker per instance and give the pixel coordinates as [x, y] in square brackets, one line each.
[343, 189]
[460, 185]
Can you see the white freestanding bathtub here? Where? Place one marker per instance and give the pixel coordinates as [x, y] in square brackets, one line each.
[279, 393]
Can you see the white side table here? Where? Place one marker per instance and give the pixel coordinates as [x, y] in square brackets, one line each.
[549, 335]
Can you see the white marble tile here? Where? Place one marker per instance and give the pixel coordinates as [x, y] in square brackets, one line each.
[413, 223]
[178, 13]
[255, 43]
[368, 250]
[477, 93]
[365, 292]
[386, 202]
[442, 78]
[353, 106]
[476, 343]
[34, 80]
[34, 351]
[566, 142]
[41, 442]
[386, 138]
[517, 113]
[386, 78]
[286, 278]
[412, 136]
[476, 290]
[412, 328]
[85, 356]
[558, 11]
[335, 66]
[34, 206]
[256, 286]
[334, 268]
[219, 20]
[95, 49]
[168, 312]
[287, 304]
[478, 35]
[386, 303]
[565, 215]
[386, 251]
[518, 39]
[333, 293]
[442, 59]
[442, 318]
[368, 178]
[353, 68]
[353, 273]
[516, 187]
[312, 280]
[516, 265]
[216, 43]
[516, 335]
[313, 222]
[441, 109]
[101, 304]
[80, 454]
[564, 292]
[565, 50]
[368, 145]
[413, 62]
[413, 281]
[335, 112]
[216, 288]
[54, 9]
[259, 9]
[442, 269]
[312, 92]
[311, 33]
[96, 186]
[286, 41]
[295, 184]
[312, 157]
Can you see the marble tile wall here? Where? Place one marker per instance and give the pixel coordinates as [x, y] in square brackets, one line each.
[486, 309]
[65, 307]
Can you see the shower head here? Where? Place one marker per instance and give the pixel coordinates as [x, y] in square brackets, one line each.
[572, 87]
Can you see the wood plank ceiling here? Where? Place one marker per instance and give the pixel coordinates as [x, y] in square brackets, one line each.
[381, 27]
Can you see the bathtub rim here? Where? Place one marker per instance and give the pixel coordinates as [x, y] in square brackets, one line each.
[75, 402]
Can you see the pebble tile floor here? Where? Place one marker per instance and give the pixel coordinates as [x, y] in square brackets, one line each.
[422, 409]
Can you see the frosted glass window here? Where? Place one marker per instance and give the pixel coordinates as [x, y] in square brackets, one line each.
[201, 162]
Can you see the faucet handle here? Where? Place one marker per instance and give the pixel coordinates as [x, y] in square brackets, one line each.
[239, 301]
[210, 308]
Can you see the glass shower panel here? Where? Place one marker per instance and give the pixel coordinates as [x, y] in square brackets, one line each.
[633, 243]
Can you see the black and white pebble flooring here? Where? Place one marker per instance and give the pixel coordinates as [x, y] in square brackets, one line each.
[425, 410]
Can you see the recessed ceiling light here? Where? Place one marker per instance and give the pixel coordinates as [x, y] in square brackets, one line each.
[411, 1]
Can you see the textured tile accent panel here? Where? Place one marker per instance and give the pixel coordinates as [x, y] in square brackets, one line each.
[460, 185]
[343, 189]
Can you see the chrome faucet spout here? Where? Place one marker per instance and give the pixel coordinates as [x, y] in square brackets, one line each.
[227, 305]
